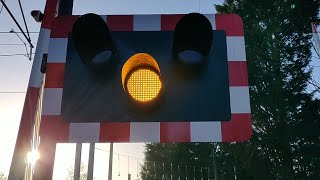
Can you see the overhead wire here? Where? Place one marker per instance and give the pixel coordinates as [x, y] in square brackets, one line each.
[28, 55]
[13, 44]
[2, 7]
[25, 45]
[16, 22]
[316, 38]
[119, 154]
[8, 55]
[4, 32]
[315, 49]
[26, 26]
[24, 19]
[18, 44]
[5, 55]
[11, 92]
[316, 85]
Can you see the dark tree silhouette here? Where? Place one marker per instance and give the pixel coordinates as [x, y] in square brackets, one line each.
[286, 127]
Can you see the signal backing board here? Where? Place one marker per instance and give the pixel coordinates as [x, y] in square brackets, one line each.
[238, 128]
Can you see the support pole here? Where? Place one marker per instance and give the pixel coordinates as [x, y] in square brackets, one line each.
[214, 162]
[65, 7]
[110, 161]
[91, 162]
[171, 171]
[77, 163]
[186, 172]
[25, 132]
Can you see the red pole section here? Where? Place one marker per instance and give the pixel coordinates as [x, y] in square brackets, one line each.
[24, 137]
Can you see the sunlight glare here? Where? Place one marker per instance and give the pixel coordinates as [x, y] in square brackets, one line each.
[32, 157]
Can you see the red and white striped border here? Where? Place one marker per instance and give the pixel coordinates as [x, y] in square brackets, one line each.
[24, 137]
[237, 129]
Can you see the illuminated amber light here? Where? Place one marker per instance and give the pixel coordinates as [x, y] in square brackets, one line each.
[144, 85]
[141, 78]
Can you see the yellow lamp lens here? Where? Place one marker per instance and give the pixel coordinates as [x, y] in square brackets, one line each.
[144, 85]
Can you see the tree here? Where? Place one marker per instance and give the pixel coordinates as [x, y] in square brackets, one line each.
[286, 129]
[83, 173]
[278, 48]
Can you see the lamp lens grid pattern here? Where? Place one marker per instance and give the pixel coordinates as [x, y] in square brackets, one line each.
[144, 85]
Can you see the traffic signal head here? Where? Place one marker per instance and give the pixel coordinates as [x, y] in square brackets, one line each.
[160, 83]
[132, 87]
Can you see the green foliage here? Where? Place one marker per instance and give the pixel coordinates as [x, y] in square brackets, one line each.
[286, 127]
